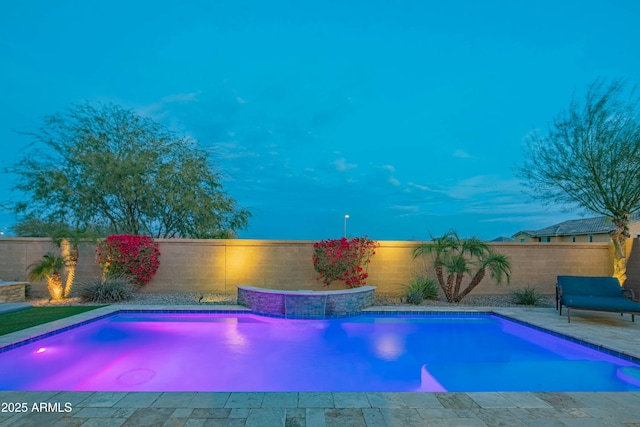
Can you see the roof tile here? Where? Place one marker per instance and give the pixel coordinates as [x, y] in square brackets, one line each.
[596, 225]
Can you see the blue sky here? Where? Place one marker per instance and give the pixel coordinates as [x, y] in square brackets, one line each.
[407, 115]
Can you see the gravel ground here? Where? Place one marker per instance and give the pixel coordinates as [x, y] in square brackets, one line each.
[470, 300]
[221, 299]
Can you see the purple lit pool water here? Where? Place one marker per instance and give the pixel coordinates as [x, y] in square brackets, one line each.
[245, 352]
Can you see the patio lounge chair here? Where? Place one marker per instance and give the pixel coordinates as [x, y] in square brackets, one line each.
[594, 293]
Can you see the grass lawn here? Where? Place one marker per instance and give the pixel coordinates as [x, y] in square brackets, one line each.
[11, 322]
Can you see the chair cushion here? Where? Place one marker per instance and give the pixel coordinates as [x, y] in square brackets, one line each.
[594, 286]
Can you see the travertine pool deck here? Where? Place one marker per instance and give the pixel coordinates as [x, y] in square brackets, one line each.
[345, 409]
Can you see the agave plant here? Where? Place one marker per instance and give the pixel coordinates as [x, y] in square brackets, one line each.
[49, 268]
[459, 257]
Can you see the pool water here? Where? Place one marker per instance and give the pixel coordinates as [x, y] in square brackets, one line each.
[245, 352]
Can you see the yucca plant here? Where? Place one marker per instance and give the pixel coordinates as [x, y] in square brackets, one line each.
[421, 288]
[107, 290]
[414, 296]
[526, 296]
[49, 268]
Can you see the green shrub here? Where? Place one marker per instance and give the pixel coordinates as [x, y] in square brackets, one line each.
[414, 296]
[108, 290]
[526, 296]
[421, 288]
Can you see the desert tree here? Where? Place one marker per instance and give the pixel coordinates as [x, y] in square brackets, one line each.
[107, 167]
[589, 158]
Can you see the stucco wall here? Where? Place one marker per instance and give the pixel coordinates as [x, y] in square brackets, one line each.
[220, 265]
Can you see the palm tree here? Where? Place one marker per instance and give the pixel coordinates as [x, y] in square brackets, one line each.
[64, 236]
[498, 266]
[71, 248]
[460, 257]
[68, 239]
[440, 246]
[49, 268]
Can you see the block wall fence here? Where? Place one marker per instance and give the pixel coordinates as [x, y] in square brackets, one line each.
[218, 266]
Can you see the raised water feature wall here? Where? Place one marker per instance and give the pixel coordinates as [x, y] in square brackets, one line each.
[306, 304]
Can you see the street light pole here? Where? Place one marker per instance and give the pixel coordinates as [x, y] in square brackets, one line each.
[345, 225]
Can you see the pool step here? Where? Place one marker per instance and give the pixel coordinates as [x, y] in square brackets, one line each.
[579, 375]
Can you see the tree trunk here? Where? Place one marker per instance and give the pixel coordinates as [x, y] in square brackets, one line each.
[459, 277]
[72, 263]
[619, 238]
[54, 285]
[449, 290]
[477, 278]
[440, 277]
[622, 247]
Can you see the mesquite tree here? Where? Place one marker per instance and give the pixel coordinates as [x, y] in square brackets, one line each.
[590, 158]
[110, 168]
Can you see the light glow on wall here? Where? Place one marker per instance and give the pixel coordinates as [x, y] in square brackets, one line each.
[243, 265]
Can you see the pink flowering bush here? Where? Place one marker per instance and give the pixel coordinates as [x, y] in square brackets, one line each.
[344, 260]
[128, 255]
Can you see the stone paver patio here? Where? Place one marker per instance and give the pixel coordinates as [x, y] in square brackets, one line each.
[345, 409]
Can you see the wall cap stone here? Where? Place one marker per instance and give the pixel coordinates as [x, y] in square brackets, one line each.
[3, 283]
[307, 292]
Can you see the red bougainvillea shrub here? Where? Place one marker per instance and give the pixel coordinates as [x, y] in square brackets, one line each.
[344, 260]
[126, 254]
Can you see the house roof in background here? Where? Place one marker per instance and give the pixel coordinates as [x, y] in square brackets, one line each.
[531, 233]
[502, 239]
[596, 225]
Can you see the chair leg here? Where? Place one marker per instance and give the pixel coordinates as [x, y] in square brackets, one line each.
[568, 314]
[633, 317]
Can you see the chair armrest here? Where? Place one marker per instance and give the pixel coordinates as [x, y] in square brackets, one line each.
[629, 293]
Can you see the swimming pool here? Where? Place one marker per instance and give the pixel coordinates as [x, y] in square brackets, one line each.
[246, 352]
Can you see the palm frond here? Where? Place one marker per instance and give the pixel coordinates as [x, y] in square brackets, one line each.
[49, 264]
[498, 266]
